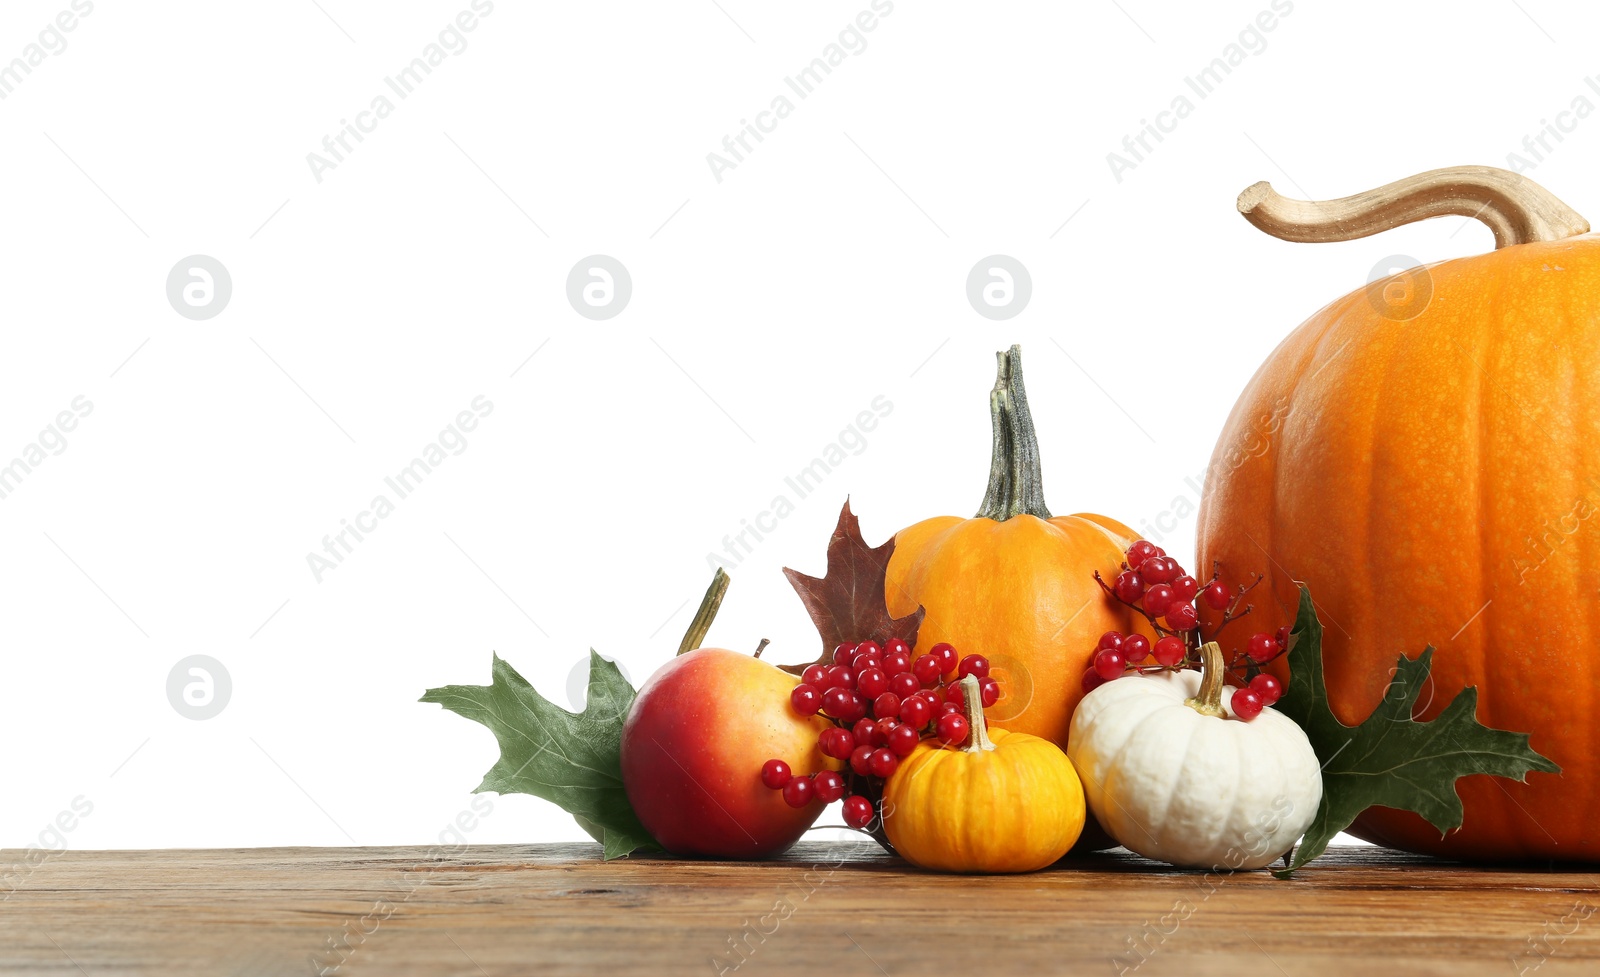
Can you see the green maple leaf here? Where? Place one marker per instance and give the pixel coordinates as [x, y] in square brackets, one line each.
[572, 759]
[1391, 760]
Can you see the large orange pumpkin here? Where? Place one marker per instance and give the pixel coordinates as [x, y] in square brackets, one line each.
[1424, 454]
[1014, 583]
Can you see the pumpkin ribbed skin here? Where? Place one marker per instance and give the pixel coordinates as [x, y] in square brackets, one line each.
[1016, 808]
[1195, 790]
[1432, 482]
[1022, 593]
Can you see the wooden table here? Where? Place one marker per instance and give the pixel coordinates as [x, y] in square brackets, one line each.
[827, 910]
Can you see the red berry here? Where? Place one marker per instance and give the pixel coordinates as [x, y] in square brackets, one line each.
[1109, 663]
[1267, 687]
[896, 646]
[1141, 551]
[1182, 617]
[885, 727]
[857, 811]
[927, 669]
[857, 708]
[1170, 650]
[903, 739]
[828, 786]
[775, 773]
[869, 648]
[948, 708]
[844, 654]
[1246, 704]
[883, 763]
[1111, 639]
[839, 677]
[886, 706]
[866, 731]
[990, 691]
[1216, 595]
[931, 696]
[952, 693]
[1129, 586]
[1159, 569]
[798, 792]
[1158, 599]
[915, 712]
[1135, 648]
[953, 729]
[946, 653]
[904, 684]
[864, 662]
[895, 662]
[871, 682]
[973, 665]
[836, 742]
[1261, 647]
[815, 675]
[1091, 681]
[858, 760]
[1185, 588]
[836, 702]
[805, 700]
[1282, 637]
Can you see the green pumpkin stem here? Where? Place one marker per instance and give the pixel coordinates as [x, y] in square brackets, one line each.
[709, 605]
[978, 731]
[1016, 485]
[1208, 701]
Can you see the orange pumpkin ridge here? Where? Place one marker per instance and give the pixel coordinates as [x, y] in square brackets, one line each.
[1433, 483]
[1014, 583]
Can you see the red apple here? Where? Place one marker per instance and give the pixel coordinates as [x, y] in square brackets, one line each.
[692, 749]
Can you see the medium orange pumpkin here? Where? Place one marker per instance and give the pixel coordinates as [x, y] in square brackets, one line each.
[1014, 583]
[1425, 454]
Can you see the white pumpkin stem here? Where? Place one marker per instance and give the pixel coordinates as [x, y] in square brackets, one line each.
[1208, 701]
[709, 605]
[1515, 208]
[977, 730]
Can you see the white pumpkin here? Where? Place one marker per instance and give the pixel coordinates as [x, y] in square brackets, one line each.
[1170, 781]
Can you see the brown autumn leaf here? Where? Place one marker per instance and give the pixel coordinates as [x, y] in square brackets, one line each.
[848, 604]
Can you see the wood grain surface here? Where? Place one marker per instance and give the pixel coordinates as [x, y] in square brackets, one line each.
[834, 909]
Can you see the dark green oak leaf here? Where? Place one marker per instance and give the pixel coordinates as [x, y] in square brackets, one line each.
[1391, 760]
[572, 759]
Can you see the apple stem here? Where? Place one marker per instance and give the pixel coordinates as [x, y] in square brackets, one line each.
[762, 646]
[709, 605]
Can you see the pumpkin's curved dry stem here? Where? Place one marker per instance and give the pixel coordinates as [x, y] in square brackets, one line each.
[978, 739]
[1515, 208]
[1208, 700]
[709, 605]
[1016, 486]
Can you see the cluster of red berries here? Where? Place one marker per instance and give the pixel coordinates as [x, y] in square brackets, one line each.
[881, 703]
[1159, 588]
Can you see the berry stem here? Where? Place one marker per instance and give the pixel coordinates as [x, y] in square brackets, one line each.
[709, 605]
[1208, 701]
[1229, 615]
[1161, 631]
[978, 731]
[1016, 484]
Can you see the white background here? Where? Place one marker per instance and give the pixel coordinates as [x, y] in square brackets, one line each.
[769, 309]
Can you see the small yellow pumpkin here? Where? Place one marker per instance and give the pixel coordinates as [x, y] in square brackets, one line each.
[1004, 802]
